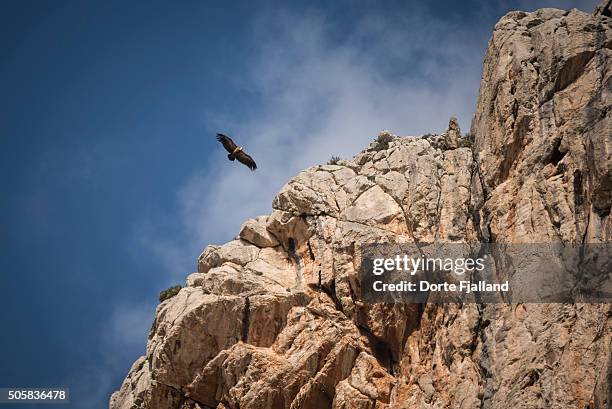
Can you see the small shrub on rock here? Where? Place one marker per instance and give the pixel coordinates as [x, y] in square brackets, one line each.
[468, 140]
[334, 160]
[382, 142]
[169, 292]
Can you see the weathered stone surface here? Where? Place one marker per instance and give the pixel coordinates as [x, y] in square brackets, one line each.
[239, 252]
[255, 231]
[374, 207]
[273, 319]
[452, 134]
[369, 385]
[139, 390]
[542, 127]
[604, 9]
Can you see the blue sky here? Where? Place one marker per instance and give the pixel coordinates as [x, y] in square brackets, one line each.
[113, 182]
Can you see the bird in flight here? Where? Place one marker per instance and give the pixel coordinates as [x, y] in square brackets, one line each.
[236, 152]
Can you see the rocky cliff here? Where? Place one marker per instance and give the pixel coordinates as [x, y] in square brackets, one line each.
[273, 319]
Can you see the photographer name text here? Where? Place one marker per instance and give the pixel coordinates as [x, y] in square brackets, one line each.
[411, 266]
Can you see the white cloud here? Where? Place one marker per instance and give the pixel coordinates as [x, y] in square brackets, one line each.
[322, 94]
[129, 325]
[121, 339]
[321, 90]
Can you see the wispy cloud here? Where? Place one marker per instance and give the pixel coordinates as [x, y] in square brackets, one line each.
[321, 93]
[122, 337]
[129, 325]
[319, 90]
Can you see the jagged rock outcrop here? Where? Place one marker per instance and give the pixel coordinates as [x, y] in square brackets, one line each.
[542, 126]
[604, 9]
[452, 134]
[273, 319]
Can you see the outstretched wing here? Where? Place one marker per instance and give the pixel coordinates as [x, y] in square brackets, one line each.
[227, 142]
[246, 159]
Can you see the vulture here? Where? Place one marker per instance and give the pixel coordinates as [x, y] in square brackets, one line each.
[236, 152]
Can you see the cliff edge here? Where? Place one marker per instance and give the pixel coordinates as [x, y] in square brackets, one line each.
[273, 319]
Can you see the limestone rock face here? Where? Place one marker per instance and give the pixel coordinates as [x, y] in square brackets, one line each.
[452, 134]
[604, 9]
[542, 126]
[273, 319]
[255, 231]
